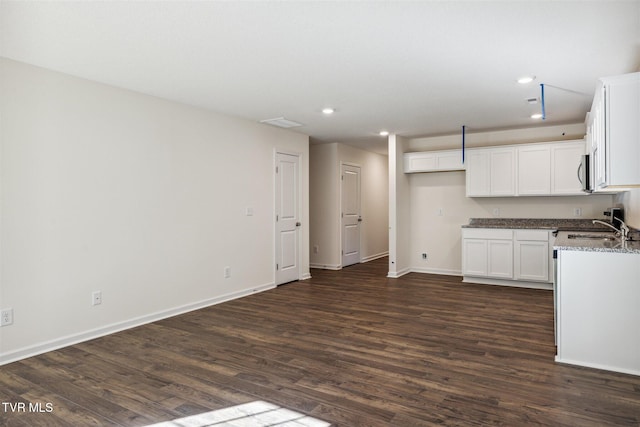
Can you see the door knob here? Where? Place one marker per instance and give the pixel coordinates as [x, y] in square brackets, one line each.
[298, 224]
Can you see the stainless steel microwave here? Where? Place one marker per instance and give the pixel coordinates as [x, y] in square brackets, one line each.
[584, 174]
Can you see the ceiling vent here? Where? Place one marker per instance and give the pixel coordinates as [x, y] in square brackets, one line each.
[281, 122]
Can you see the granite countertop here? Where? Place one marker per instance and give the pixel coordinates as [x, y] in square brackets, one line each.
[613, 244]
[565, 227]
[536, 223]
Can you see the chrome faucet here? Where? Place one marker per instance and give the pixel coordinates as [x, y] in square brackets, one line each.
[623, 232]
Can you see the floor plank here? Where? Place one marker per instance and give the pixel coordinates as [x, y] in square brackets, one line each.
[350, 347]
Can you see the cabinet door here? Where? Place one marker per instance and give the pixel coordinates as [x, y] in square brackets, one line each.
[502, 178]
[474, 257]
[433, 161]
[622, 130]
[500, 259]
[449, 160]
[532, 261]
[419, 162]
[534, 170]
[565, 161]
[477, 175]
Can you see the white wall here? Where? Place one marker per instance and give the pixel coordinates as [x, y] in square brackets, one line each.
[399, 209]
[630, 200]
[324, 206]
[439, 236]
[324, 176]
[141, 198]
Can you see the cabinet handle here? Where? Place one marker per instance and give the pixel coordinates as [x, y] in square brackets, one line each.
[579, 174]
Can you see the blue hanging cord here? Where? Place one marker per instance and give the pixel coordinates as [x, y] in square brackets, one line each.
[463, 132]
[544, 114]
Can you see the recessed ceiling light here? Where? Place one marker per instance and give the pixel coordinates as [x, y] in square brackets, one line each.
[526, 79]
[328, 110]
[536, 116]
[384, 133]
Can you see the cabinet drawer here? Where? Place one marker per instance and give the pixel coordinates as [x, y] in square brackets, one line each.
[487, 233]
[536, 235]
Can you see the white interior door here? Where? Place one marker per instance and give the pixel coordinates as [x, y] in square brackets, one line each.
[287, 218]
[351, 218]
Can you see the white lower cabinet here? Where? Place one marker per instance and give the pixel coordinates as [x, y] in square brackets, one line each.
[515, 257]
[475, 255]
[487, 252]
[532, 255]
[500, 259]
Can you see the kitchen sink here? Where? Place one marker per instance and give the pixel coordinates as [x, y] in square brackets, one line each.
[592, 236]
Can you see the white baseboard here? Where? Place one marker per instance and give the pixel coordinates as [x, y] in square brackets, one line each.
[441, 271]
[305, 276]
[376, 256]
[68, 340]
[326, 266]
[597, 366]
[513, 283]
[400, 273]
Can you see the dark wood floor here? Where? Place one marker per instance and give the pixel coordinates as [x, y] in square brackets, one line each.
[352, 348]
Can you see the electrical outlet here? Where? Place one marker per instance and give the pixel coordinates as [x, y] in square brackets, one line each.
[577, 211]
[316, 249]
[439, 212]
[6, 317]
[496, 211]
[227, 272]
[96, 298]
[424, 256]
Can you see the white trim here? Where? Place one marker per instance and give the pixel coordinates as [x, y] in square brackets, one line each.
[396, 274]
[597, 366]
[440, 271]
[305, 276]
[334, 267]
[376, 256]
[55, 344]
[506, 282]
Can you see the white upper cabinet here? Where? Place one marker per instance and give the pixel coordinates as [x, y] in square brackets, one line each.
[433, 161]
[503, 172]
[565, 164]
[613, 129]
[534, 170]
[550, 169]
[542, 169]
[491, 172]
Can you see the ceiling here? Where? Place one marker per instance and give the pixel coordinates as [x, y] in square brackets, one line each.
[412, 68]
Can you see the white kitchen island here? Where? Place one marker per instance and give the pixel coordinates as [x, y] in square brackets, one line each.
[598, 303]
